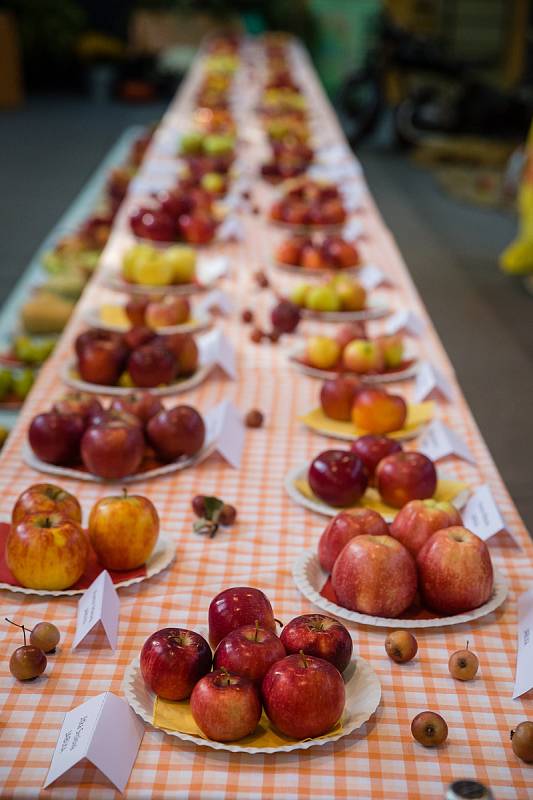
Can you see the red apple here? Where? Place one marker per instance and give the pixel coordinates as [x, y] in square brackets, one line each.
[197, 227]
[226, 707]
[82, 403]
[337, 396]
[238, 606]
[136, 309]
[303, 696]
[152, 365]
[176, 432]
[285, 317]
[168, 311]
[320, 636]
[338, 477]
[420, 519]
[402, 477]
[377, 411]
[185, 351]
[112, 450]
[55, 438]
[142, 405]
[102, 362]
[345, 526]
[349, 332]
[362, 356]
[173, 660]
[116, 415]
[455, 571]
[249, 651]
[95, 335]
[138, 336]
[46, 499]
[375, 575]
[123, 531]
[371, 448]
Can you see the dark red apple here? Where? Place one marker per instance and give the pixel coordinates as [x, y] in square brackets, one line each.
[226, 707]
[420, 519]
[337, 396]
[112, 450]
[135, 310]
[185, 351]
[402, 477]
[175, 432]
[55, 438]
[173, 660]
[102, 362]
[303, 696]
[345, 526]
[338, 477]
[375, 575]
[142, 405]
[372, 448]
[138, 336]
[320, 636]
[197, 227]
[82, 403]
[116, 415]
[285, 317]
[249, 651]
[95, 335]
[238, 606]
[152, 365]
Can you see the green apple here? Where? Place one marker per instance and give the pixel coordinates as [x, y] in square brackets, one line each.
[299, 294]
[6, 382]
[322, 298]
[192, 143]
[392, 349]
[218, 144]
[213, 182]
[323, 352]
[22, 383]
[181, 260]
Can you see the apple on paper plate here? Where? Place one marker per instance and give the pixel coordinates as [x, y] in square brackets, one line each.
[337, 397]
[338, 477]
[123, 531]
[303, 696]
[375, 575]
[55, 438]
[142, 405]
[173, 660]
[402, 477]
[320, 636]
[238, 606]
[81, 403]
[112, 449]
[455, 571]
[46, 499]
[420, 519]
[225, 706]
[343, 527]
[249, 651]
[176, 432]
[46, 551]
[378, 411]
[372, 448]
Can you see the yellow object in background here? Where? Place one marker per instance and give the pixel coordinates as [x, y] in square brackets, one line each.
[517, 259]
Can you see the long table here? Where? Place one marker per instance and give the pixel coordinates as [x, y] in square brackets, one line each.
[380, 760]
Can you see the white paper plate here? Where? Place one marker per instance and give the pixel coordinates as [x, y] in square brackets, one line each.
[372, 311]
[208, 271]
[325, 374]
[329, 511]
[201, 322]
[300, 228]
[363, 694]
[161, 558]
[310, 578]
[307, 272]
[68, 376]
[77, 474]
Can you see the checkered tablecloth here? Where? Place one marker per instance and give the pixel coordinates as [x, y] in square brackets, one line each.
[380, 760]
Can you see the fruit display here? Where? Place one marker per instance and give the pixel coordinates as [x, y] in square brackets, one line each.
[133, 435]
[123, 531]
[162, 314]
[380, 358]
[15, 385]
[308, 203]
[290, 158]
[318, 253]
[207, 153]
[340, 294]
[176, 216]
[149, 266]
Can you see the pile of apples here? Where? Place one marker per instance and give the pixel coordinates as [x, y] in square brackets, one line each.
[318, 252]
[349, 353]
[47, 548]
[150, 266]
[296, 678]
[290, 158]
[309, 202]
[135, 433]
[426, 559]
[340, 293]
[208, 152]
[138, 358]
[144, 312]
[176, 215]
[372, 410]
[214, 120]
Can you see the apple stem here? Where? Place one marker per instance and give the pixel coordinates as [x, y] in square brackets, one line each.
[303, 658]
[225, 674]
[467, 643]
[279, 622]
[511, 734]
[18, 626]
[124, 491]
[256, 629]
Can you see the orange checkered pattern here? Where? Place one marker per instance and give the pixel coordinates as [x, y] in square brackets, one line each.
[380, 760]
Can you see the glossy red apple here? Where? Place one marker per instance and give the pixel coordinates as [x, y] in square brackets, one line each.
[337, 396]
[338, 477]
[95, 335]
[455, 571]
[375, 575]
[46, 499]
[138, 336]
[197, 228]
[372, 448]
[249, 651]
[55, 438]
[142, 405]
[173, 660]
[135, 310]
[320, 636]
[285, 317]
[82, 403]
[345, 526]
[226, 707]
[420, 519]
[402, 477]
[238, 606]
[102, 362]
[176, 432]
[303, 696]
[185, 350]
[112, 450]
[152, 365]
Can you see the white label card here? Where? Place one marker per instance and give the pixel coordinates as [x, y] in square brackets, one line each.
[482, 516]
[405, 321]
[352, 195]
[105, 731]
[215, 348]
[98, 604]
[230, 230]
[524, 655]
[216, 300]
[212, 268]
[428, 380]
[353, 229]
[225, 432]
[439, 441]
[371, 277]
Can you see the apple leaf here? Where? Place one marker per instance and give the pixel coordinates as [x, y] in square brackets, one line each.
[212, 507]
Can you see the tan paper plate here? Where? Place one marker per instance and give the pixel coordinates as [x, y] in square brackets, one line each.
[69, 375]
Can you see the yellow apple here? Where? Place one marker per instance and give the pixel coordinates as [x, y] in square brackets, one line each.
[322, 298]
[323, 352]
[181, 260]
[123, 531]
[136, 255]
[352, 295]
[156, 271]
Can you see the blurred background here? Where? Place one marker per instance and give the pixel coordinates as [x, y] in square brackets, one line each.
[436, 99]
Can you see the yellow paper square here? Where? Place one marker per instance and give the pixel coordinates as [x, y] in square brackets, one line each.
[418, 415]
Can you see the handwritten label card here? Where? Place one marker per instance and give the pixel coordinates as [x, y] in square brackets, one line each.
[439, 441]
[524, 656]
[405, 321]
[105, 731]
[225, 432]
[216, 300]
[482, 515]
[215, 348]
[371, 277]
[98, 604]
[429, 379]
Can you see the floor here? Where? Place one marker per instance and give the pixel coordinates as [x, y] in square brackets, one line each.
[484, 319]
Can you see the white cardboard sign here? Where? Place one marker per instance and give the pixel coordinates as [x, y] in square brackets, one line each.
[217, 299]
[371, 277]
[230, 230]
[98, 604]
[439, 441]
[429, 379]
[524, 655]
[212, 268]
[405, 321]
[105, 731]
[353, 229]
[482, 515]
[215, 348]
[225, 429]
